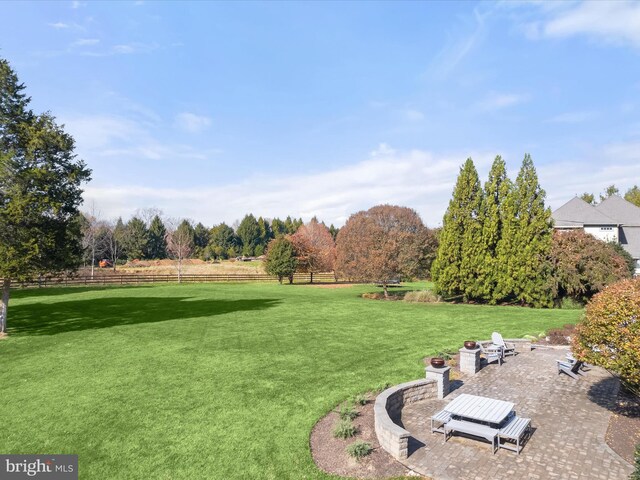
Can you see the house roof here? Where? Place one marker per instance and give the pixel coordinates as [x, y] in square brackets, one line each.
[630, 240]
[577, 213]
[625, 213]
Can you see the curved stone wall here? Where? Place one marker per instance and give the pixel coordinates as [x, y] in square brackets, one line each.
[387, 411]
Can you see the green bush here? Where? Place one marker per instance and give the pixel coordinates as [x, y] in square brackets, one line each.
[360, 399]
[344, 429]
[347, 412]
[569, 303]
[359, 449]
[422, 296]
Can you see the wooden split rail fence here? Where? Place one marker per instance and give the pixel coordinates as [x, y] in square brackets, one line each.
[139, 279]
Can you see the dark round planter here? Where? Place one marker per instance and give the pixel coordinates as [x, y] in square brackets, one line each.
[437, 362]
[470, 345]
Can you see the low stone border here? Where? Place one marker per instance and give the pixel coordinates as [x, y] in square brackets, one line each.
[521, 344]
[388, 406]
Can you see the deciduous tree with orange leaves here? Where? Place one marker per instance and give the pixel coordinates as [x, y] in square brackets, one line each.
[383, 244]
[315, 248]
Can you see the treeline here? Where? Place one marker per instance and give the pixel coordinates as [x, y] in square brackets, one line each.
[146, 236]
[632, 195]
[497, 245]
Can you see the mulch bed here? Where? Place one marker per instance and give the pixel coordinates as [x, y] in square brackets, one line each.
[330, 455]
[623, 433]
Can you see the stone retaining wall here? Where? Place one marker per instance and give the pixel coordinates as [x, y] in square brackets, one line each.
[387, 410]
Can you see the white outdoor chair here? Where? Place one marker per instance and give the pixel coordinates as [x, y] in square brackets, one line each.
[492, 353]
[507, 348]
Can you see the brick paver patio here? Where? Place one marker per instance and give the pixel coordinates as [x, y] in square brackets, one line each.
[569, 418]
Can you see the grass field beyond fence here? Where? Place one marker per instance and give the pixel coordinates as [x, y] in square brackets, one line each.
[213, 381]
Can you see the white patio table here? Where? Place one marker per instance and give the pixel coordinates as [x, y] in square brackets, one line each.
[479, 409]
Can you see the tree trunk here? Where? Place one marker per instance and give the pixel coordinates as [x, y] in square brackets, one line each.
[290, 279]
[386, 291]
[179, 270]
[6, 290]
[311, 277]
[93, 259]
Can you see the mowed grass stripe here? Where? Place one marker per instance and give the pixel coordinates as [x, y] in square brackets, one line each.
[209, 380]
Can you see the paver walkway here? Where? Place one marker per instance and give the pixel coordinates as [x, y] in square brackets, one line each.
[569, 418]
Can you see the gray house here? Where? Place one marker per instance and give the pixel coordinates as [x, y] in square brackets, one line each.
[612, 220]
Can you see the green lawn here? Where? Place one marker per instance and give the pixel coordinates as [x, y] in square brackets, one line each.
[212, 381]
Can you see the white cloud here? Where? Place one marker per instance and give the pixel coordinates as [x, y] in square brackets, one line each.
[192, 123]
[497, 101]
[614, 22]
[573, 117]
[77, 4]
[85, 42]
[59, 25]
[414, 178]
[459, 46]
[112, 136]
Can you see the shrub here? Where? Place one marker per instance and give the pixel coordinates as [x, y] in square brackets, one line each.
[359, 449]
[360, 399]
[347, 412]
[569, 303]
[584, 265]
[636, 473]
[344, 429]
[281, 259]
[422, 296]
[609, 334]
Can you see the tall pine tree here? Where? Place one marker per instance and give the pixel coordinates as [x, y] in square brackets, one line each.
[522, 253]
[492, 213]
[453, 270]
[157, 242]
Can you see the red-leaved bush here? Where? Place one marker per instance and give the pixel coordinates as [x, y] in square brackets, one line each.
[609, 334]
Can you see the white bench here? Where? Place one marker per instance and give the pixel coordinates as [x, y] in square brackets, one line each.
[475, 429]
[514, 430]
[439, 419]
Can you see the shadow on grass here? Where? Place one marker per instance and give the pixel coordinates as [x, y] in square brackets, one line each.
[53, 291]
[76, 315]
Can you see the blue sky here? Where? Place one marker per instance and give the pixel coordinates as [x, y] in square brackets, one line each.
[213, 110]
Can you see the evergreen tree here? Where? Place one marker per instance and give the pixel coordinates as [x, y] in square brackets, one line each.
[523, 249]
[453, 270]
[278, 227]
[249, 234]
[266, 234]
[281, 259]
[157, 243]
[289, 226]
[333, 231]
[223, 241]
[496, 190]
[200, 239]
[136, 239]
[40, 179]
